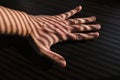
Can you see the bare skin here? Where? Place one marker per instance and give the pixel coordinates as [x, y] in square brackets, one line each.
[47, 30]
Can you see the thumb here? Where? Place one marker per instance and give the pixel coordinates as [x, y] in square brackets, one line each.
[70, 13]
[54, 57]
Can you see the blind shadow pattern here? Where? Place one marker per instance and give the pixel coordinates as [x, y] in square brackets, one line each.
[96, 59]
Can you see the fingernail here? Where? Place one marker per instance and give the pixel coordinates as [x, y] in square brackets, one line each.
[78, 8]
[98, 26]
[93, 18]
[96, 34]
[63, 63]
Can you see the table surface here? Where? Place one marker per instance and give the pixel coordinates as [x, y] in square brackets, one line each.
[95, 59]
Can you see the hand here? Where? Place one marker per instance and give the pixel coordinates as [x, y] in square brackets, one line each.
[48, 30]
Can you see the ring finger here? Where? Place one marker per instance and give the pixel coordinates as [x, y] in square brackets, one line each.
[82, 28]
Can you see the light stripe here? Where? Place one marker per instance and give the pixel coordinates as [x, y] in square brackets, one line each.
[7, 22]
[24, 24]
[54, 24]
[2, 24]
[61, 23]
[15, 21]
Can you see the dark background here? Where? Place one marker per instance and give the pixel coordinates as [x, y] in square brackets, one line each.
[87, 60]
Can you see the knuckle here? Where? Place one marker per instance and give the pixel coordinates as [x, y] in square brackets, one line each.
[79, 37]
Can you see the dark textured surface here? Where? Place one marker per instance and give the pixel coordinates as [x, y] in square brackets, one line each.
[89, 60]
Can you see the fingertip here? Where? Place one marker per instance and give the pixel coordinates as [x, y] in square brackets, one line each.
[97, 34]
[63, 64]
[98, 26]
[93, 18]
[78, 8]
[60, 61]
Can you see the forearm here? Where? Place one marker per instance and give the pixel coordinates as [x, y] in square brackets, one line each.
[14, 22]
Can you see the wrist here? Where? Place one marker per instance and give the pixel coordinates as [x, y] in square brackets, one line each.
[29, 24]
[14, 22]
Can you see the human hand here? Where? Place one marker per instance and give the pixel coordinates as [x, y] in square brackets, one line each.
[48, 30]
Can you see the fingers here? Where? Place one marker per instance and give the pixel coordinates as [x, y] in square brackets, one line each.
[70, 13]
[81, 20]
[83, 27]
[83, 36]
[54, 57]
